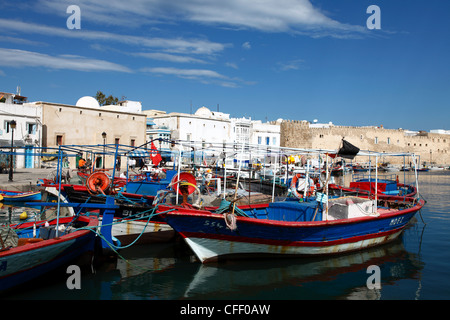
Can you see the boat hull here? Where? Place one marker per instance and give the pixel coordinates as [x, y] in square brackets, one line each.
[210, 250]
[209, 237]
[24, 263]
[17, 196]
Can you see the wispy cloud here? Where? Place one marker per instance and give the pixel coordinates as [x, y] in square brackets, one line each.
[246, 45]
[185, 73]
[169, 57]
[172, 45]
[291, 65]
[20, 58]
[297, 16]
[202, 75]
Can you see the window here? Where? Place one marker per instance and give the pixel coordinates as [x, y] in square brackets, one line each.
[376, 140]
[274, 141]
[59, 140]
[259, 140]
[116, 140]
[132, 142]
[267, 140]
[31, 128]
[388, 140]
[7, 126]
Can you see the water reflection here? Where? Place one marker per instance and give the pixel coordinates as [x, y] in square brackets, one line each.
[339, 277]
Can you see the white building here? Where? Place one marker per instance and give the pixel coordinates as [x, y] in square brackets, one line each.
[28, 130]
[265, 134]
[153, 131]
[216, 127]
[204, 125]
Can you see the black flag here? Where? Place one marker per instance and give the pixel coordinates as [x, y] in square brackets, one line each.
[348, 151]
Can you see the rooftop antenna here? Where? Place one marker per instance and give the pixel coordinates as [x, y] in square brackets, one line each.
[18, 91]
[217, 107]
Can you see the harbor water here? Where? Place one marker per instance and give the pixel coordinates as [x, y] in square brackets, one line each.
[416, 266]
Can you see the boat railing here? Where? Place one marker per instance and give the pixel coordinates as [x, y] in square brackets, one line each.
[372, 176]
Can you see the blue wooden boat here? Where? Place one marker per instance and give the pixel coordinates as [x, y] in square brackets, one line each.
[291, 228]
[18, 196]
[25, 256]
[148, 185]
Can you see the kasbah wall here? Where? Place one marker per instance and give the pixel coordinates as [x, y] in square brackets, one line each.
[431, 147]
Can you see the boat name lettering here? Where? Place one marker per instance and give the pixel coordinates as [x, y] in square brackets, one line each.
[396, 221]
[216, 224]
[128, 213]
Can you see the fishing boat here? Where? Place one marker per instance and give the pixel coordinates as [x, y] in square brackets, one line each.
[18, 196]
[389, 168]
[291, 228]
[32, 249]
[131, 215]
[374, 184]
[132, 218]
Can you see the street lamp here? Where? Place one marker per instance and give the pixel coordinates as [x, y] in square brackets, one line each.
[12, 125]
[104, 146]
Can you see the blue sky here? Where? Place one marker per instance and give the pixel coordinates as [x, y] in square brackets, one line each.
[265, 59]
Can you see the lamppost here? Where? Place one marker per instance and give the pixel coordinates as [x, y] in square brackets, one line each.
[12, 125]
[104, 146]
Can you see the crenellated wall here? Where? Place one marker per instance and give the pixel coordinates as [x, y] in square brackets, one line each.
[431, 147]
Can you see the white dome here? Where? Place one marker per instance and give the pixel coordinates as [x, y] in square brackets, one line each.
[87, 102]
[203, 112]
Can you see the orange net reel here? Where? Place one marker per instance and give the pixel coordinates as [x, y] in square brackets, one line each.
[188, 186]
[98, 182]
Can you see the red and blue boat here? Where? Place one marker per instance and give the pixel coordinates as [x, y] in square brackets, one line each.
[19, 196]
[32, 249]
[292, 228]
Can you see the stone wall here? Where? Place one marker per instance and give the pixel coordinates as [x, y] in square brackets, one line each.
[431, 147]
[76, 125]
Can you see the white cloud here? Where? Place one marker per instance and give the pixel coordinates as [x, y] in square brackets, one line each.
[185, 73]
[267, 15]
[173, 45]
[168, 57]
[202, 75]
[246, 45]
[291, 65]
[232, 65]
[20, 58]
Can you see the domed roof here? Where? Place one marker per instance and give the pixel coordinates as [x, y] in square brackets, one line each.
[87, 102]
[203, 112]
